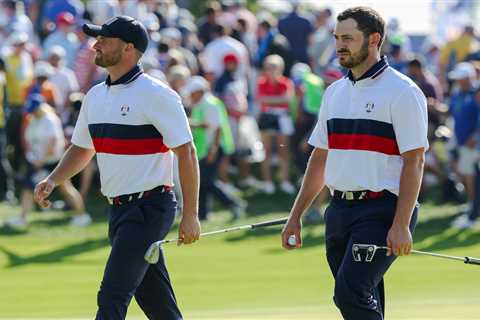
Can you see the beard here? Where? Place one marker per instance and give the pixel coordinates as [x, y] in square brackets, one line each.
[104, 61]
[355, 58]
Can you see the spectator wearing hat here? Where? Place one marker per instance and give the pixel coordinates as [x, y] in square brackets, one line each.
[63, 78]
[64, 37]
[274, 93]
[44, 147]
[233, 91]
[18, 75]
[213, 139]
[464, 109]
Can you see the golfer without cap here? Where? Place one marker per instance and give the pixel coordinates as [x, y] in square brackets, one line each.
[369, 143]
[134, 124]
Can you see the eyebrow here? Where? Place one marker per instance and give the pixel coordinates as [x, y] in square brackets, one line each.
[343, 36]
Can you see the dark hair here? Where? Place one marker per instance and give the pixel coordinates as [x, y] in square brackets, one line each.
[416, 61]
[368, 21]
[219, 30]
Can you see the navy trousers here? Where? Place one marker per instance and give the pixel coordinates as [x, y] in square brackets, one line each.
[359, 290]
[132, 228]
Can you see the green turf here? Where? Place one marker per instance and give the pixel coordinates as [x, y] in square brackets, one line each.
[53, 271]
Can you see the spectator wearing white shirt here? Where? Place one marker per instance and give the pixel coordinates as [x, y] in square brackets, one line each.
[63, 78]
[45, 144]
[223, 44]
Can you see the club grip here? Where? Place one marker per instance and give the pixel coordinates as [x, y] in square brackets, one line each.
[269, 223]
[470, 260]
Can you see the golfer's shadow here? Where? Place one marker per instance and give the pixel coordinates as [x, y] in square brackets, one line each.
[55, 256]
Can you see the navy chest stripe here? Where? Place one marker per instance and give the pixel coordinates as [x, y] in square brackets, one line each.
[361, 126]
[123, 131]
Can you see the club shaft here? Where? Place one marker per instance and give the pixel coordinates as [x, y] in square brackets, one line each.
[438, 255]
[244, 227]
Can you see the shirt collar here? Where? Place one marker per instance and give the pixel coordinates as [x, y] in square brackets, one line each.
[128, 77]
[371, 73]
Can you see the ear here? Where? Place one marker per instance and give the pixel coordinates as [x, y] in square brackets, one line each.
[374, 39]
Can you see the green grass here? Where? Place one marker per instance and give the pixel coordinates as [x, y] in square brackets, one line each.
[53, 271]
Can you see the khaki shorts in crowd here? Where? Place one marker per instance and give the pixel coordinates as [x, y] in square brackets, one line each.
[467, 158]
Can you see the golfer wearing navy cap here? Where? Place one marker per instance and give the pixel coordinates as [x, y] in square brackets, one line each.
[134, 124]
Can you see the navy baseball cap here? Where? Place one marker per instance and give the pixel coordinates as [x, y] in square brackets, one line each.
[123, 27]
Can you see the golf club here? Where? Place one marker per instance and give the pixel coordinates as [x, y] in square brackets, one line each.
[153, 252]
[369, 250]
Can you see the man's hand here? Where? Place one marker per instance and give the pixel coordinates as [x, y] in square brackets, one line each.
[189, 230]
[399, 241]
[42, 191]
[292, 227]
[212, 156]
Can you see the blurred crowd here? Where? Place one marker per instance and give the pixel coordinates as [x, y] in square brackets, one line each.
[252, 84]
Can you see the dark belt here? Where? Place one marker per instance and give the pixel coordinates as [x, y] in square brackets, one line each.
[126, 198]
[358, 195]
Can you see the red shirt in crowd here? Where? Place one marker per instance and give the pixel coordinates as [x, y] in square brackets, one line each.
[267, 87]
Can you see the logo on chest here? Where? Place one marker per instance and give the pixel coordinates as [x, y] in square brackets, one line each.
[124, 110]
[369, 107]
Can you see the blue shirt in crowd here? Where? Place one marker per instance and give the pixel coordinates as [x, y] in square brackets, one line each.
[464, 110]
[297, 30]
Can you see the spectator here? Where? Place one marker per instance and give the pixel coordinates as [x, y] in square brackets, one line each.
[18, 74]
[7, 184]
[16, 20]
[86, 72]
[173, 37]
[64, 37]
[212, 138]
[223, 44]
[425, 80]
[456, 50]
[207, 23]
[274, 93]
[73, 110]
[44, 147]
[297, 29]
[53, 8]
[322, 47]
[41, 84]
[233, 92]
[270, 42]
[464, 111]
[63, 78]
[177, 77]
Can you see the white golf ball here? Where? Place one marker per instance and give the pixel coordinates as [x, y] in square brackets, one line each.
[292, 240]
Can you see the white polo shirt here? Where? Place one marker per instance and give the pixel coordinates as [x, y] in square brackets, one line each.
[366, 125]
[132, 124]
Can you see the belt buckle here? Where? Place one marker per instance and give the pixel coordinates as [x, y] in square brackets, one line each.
[349, 195]
[110, 201]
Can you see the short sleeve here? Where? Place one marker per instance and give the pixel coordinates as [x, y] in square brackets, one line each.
[81, 135]
[409, 119]
[319, 137]
[167, 115]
